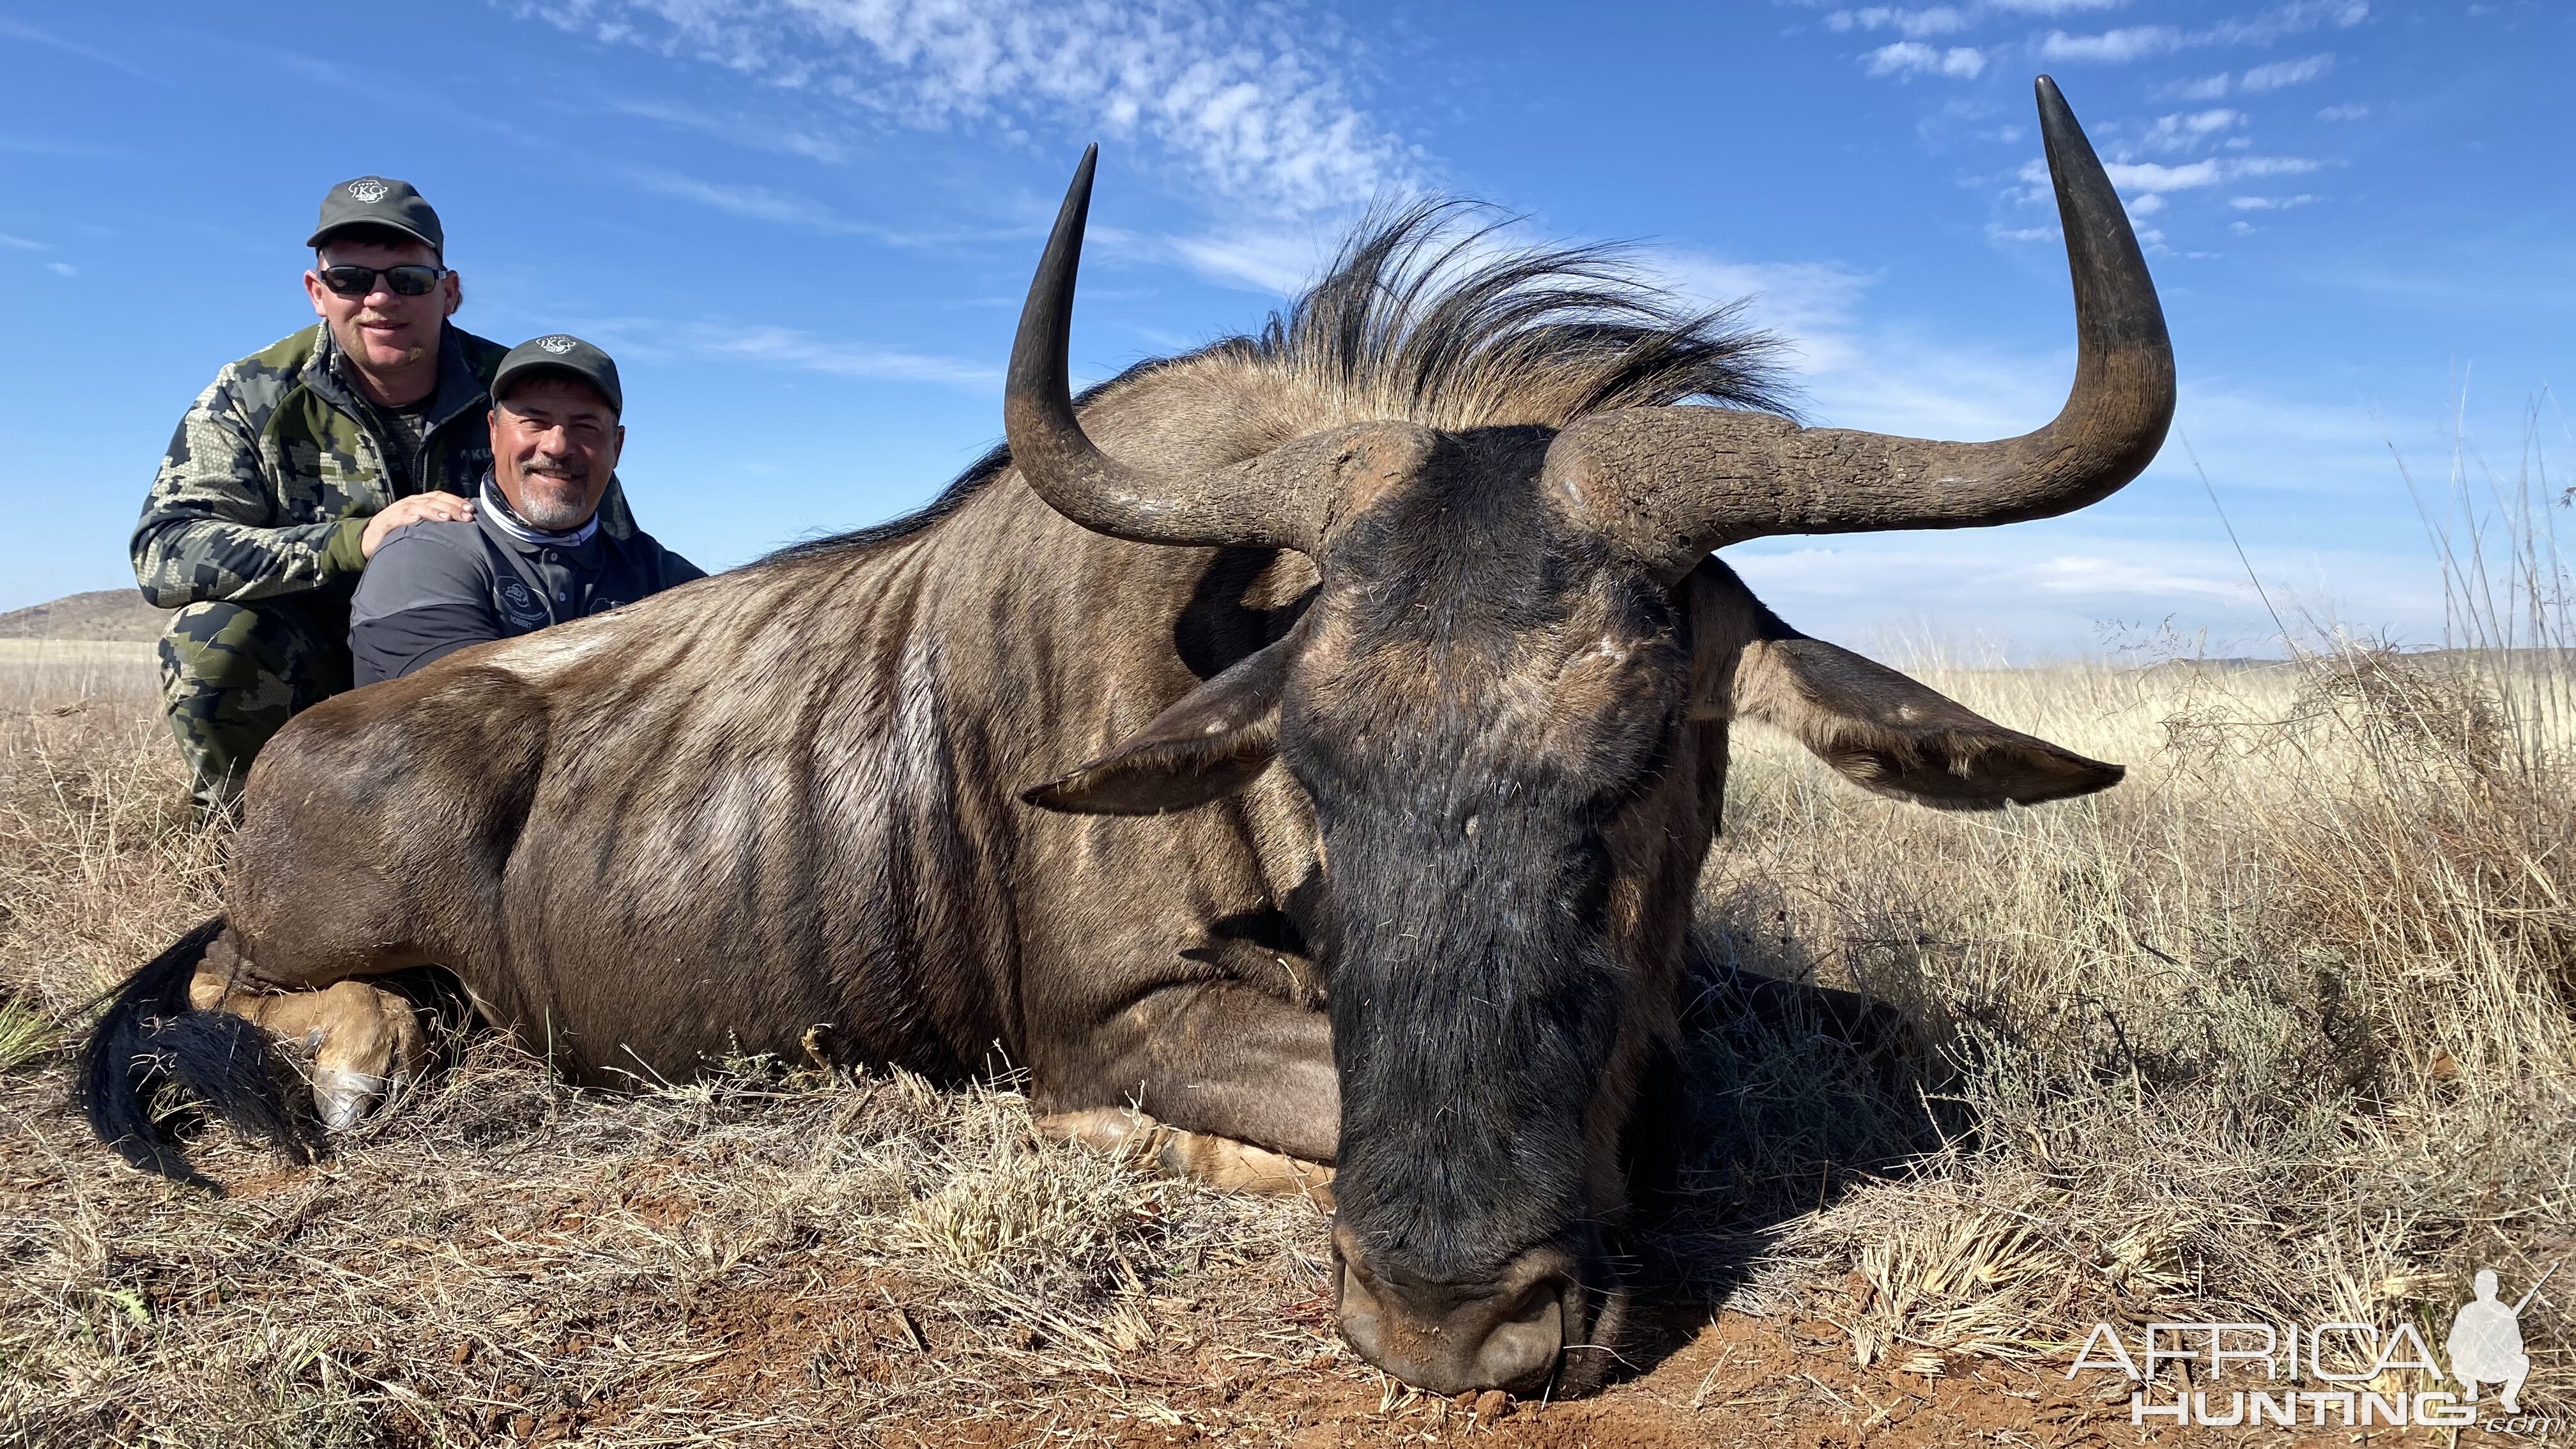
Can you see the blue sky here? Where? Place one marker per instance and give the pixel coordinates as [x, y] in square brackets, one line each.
[803, 227]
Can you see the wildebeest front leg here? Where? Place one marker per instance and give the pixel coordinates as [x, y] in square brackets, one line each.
[1242, 1080]
[1217, 1161]
[363, 1041]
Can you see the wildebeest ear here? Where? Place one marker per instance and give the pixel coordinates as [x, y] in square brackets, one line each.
[1207, 745]
[1889, 734]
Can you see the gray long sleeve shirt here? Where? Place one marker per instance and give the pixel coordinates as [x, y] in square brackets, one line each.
[434, 588]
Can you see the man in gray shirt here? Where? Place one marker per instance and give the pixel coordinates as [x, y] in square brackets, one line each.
[531, 552]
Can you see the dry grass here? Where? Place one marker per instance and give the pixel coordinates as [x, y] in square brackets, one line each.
[2278, 1030]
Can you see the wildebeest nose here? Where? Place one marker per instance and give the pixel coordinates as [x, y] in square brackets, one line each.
[1453, 1337]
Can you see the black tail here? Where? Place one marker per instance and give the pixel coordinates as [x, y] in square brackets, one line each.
[147, 1030]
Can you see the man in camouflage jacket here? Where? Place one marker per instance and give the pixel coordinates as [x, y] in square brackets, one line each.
[298, 460]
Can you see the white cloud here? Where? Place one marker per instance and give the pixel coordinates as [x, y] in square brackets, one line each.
[2071, 587]
[2147, 205]
[2092, 574]
[1890, 379]
[2282, 73]
[2270, 166]
[22, 244]
[1263, 261]
[2137, 42]
[1811, 305]
[2207, 88]
[1912, 24]
[62, 269]
[1253, 109]
[740, 131]
[787, 347]
[2111, 47]
[2183, 131]
[1913, 57]
[2288, 470]
[2054, 7]
[757, 202]
[786, 208]
[2347, 112]
[2269, 203]
[2295, 18]
[16, 30]
[2148, 176]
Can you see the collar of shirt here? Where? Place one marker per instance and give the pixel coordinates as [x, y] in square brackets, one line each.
[495, 510]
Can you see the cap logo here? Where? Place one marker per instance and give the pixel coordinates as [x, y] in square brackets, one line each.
[370, 190]
[556, 345]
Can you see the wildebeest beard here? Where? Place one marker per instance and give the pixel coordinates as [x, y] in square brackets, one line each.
[1475, 1002]
[1477, 992]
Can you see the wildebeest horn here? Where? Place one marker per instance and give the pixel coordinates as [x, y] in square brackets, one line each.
[1284, 498]
[1670, 484]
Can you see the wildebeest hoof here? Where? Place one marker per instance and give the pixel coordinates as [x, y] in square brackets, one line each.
[355, 1043]
[345, 1098]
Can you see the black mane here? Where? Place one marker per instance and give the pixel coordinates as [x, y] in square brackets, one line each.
[1422, 318]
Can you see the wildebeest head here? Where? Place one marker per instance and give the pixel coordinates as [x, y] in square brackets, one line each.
[1506, 703]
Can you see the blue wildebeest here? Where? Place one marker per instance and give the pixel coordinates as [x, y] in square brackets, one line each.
[1312, 740]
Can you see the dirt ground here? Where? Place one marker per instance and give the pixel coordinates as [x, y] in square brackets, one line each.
[603, 1278]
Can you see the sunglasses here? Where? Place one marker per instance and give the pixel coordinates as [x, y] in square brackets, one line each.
[406, 281]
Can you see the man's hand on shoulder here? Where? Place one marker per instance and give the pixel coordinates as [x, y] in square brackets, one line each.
[420, 602]
[430, 507]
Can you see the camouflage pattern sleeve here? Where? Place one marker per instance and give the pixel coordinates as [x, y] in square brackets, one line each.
[213, 527]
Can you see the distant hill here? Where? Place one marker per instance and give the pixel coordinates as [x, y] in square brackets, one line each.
[118, 615]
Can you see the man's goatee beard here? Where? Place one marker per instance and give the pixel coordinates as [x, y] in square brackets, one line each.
[553, 514]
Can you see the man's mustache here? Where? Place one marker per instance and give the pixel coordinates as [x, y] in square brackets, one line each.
[561, 472]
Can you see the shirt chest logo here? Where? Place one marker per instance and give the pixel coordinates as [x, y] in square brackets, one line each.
[520, 606]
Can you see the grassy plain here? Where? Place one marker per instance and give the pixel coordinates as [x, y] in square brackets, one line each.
[2282, 1029]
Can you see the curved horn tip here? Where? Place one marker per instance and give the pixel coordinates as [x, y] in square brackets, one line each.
[1077, 194]
[2057, 121]
[1037, 370]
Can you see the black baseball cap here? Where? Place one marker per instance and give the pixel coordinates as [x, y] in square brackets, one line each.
[379, 201]
[557, 352]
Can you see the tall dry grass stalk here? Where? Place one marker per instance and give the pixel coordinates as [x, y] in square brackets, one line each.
[96, 861]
